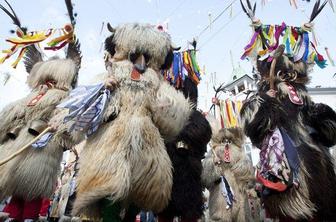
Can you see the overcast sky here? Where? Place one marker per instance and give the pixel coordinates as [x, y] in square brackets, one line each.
[185, 18]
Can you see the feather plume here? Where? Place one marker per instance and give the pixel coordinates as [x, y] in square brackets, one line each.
[12, 14]
[249, 11]
[317, 9]
[32, 56]
[74, 53]
[70, 11]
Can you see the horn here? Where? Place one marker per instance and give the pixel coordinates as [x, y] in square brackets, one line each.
[249, 10]
[109, 27]
[317, 9]
[175, 48]
[277, 53]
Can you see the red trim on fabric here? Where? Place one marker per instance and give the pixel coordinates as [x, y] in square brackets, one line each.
[278, 186]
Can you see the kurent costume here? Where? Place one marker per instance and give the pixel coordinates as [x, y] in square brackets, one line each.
[187, 151]
[124, 160]
[292, 131]
[31, 176]
[227, 175]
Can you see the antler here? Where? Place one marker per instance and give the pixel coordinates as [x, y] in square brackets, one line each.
[221, 88]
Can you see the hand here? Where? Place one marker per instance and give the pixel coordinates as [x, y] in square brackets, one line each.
[111, 83]
[271, 93]
[54, 123]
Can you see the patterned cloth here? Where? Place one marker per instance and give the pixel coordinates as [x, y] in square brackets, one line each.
[291, 155]
[279, 158]
[227, 192]
[272, 155]
[43, 141]
[86, 106]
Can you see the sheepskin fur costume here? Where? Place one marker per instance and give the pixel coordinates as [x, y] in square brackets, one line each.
[310, 126]
[125, 160]
[238, 173]
[33, 173]
[187, 198]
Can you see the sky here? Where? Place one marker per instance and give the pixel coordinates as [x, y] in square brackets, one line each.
[185, 18]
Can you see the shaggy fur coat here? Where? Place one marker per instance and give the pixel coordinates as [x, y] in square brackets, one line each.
[310, 130]
[33, 173]
[238, 172]
[125, 160]
[187, 196]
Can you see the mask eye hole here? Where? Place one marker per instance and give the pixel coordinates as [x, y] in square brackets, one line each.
[135, 55]
[227, 141]
[147, 57]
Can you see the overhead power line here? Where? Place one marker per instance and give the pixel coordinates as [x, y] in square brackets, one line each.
[221, 29]
[216, 18]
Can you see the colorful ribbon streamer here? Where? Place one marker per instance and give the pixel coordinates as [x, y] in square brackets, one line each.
[61, 41]
[267, 38]
[229, 113]
[184, 65]
[21, 42]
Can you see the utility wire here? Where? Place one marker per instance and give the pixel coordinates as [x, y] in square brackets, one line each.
[175, 10]
[211, 37]
[215, 19]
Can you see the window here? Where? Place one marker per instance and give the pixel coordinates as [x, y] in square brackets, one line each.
[241, 88]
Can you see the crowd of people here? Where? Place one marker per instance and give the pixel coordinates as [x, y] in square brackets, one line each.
[135, 147]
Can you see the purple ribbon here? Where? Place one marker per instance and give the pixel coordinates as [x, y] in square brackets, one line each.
[254, 37]
[278, 32]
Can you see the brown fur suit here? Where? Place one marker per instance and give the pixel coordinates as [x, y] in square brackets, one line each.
[34, 172]
[125, 159]
[238, 172]
[315, 197]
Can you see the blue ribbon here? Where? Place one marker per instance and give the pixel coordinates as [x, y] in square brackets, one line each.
[226, 190]
[176, 65]
[306, 45]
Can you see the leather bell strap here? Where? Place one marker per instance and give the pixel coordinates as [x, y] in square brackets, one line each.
[42, 92]
[227, 155]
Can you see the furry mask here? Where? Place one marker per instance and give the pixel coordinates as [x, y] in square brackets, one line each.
[130, 41]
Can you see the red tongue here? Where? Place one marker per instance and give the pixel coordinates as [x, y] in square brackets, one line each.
[135, 75]
[293, 96]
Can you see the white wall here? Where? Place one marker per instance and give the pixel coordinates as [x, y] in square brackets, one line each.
[330, 100]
